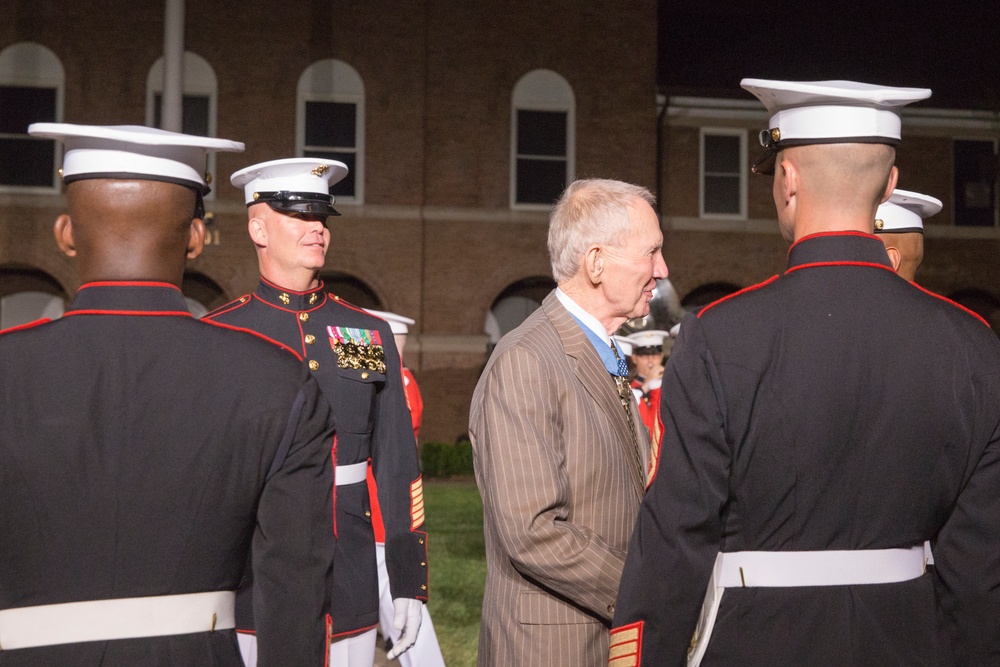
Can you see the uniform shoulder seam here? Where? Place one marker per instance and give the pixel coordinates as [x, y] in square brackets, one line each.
[741, 292]
[26, 325]
[232, 305]
[258, 334]
[953, 303]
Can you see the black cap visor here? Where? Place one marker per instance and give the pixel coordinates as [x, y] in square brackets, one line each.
[297, 203]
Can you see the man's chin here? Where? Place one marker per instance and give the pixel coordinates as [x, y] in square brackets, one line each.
[640, 310]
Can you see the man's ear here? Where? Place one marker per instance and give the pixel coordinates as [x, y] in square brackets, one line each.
[891, 185]
[894, 256]
[593, 264]
[63, 231]
[789, 180]
[258, 232]
[196, 238]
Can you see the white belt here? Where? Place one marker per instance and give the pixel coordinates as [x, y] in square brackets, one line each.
[351, 474]
[818, 568]
[775, 569]
[119, 618]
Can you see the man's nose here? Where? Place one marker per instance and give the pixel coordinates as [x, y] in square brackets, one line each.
[660, 270]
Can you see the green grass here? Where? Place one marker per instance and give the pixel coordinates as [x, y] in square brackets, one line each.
[457, 558]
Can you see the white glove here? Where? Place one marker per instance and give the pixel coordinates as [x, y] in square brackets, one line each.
[406, 621]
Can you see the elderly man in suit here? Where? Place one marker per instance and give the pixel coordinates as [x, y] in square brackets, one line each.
[560, 452]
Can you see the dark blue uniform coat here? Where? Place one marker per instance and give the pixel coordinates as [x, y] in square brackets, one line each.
[834, 407]
[373, 422]
[141, 451]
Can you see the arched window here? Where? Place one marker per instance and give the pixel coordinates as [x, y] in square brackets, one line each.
[28, 294]
[201, 293]
[352, 290]
[514, 304]
[543, 137]
[330, 122]
[199, 102]
[31, 91]
[706, 294]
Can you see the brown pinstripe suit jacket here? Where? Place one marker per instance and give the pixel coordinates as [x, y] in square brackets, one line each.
[561, 482]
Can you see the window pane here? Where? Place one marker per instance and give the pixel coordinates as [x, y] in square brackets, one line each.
[194, 114]
[722, 154]
[974, 183]
[344, 188]
[541, 133]
[722, 194]
[27, 162]
[331, 124]
[22, 105]
[540, 181]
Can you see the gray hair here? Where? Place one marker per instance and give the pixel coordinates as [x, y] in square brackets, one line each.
[589, 212]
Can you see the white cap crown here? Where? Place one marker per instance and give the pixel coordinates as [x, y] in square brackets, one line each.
[133, 151]
[291, 185]
[814, 112]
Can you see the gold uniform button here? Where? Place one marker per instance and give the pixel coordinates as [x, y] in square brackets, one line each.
[310, 339]
[421, 540]
[304, 317]
[313, 364]
[423, 587]
[423, 563]
[368, 513]
[364, 375]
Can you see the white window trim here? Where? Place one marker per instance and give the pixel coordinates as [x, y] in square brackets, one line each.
[525, 100]
[44, 71]
[351, 91]
[199, 79]
[730, 132]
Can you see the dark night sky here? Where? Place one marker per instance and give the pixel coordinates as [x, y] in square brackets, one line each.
[952, 48]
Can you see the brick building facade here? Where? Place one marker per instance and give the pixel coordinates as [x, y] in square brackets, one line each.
[949, 154]
[461, 117]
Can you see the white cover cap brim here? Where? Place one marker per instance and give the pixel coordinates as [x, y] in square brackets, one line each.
[398, 323]
[905, 211]
[650, 338]
[125, 151]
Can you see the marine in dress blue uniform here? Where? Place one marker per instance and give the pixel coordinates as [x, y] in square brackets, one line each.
[822, 426]
[143, 451]
[351, 354]
[899, 222]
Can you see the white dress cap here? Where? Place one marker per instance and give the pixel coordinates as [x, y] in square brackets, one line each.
[133, 151]
[814, 112]
[291, 185]
[624, 343]
[905, 211]
[653, 338]
[398, 323]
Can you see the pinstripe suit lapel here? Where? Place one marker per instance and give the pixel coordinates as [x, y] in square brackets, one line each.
[590, 369]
